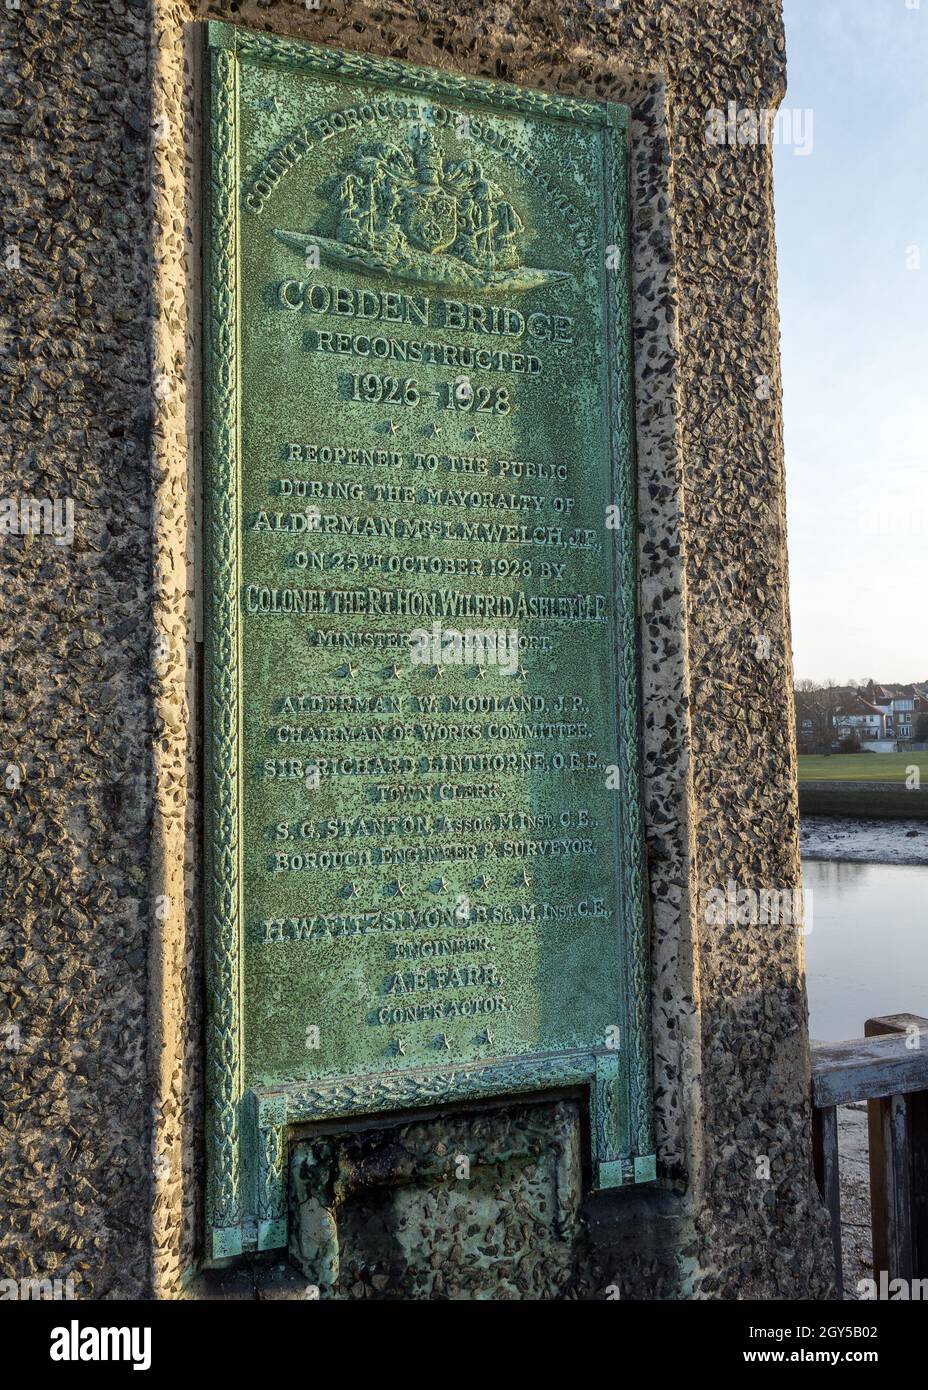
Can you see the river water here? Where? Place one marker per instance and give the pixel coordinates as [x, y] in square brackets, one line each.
[867, 952]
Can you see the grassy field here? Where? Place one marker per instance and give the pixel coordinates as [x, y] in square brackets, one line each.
[862, 767]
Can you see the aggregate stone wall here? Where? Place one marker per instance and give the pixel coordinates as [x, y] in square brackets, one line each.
[77, 704]
[100, 1080]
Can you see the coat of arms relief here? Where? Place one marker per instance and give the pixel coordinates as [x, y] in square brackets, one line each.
[409, 212]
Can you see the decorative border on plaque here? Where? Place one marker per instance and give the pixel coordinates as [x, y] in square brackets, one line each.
[274, 1109]
[222, 734]
[247, 1131]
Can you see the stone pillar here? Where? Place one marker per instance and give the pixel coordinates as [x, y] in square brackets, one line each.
[101, 810]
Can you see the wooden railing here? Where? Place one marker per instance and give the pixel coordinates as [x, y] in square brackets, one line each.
[887, 1068]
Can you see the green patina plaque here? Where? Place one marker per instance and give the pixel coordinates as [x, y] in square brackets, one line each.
[423, 831]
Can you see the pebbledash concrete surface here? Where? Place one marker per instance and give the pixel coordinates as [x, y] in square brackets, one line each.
[102, 810]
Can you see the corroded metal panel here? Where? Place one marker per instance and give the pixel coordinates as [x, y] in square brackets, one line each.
[423, 834]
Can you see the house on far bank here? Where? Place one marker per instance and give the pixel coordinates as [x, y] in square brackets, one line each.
[881, 718]
[870, 723]
[902, 705]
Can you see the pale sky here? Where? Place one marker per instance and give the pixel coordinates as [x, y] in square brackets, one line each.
[850, 215]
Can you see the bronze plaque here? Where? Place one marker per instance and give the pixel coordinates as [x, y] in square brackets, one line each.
[423, 835]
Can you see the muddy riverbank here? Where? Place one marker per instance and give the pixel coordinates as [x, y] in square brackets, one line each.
[863, 841]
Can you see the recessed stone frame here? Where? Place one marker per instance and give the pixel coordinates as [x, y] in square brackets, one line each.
[176, 1012]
